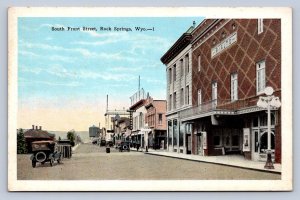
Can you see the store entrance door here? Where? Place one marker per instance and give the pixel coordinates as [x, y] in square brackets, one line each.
[188, 144]
[200, 144]
[255, 145]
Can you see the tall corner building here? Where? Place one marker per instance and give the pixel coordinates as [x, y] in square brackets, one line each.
[212, 106]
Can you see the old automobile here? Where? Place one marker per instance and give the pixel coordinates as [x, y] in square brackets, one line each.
[124, 146]
[45, 151]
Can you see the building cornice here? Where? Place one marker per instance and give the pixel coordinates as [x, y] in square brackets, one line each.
[177, 47]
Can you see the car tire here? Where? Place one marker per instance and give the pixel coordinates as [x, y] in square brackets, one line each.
[40, 157]
[125, 147]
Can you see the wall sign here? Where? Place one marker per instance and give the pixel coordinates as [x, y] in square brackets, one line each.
[246, 139]
[227, 42]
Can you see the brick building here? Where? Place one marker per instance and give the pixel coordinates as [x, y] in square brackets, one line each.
[233, 61]
[155, 118]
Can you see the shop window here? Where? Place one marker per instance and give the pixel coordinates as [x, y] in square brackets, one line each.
[175, 132]
[255, 122]
[181, 131]
[264, 142]
[217, 140]
[170, 133]
[263, 120]
[235, 140]
[227, 141]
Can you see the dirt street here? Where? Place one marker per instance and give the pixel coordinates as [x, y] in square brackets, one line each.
[91, 162]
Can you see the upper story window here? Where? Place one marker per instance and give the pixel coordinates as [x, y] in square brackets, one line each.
[214, 94]
[141, 120]
[181, 97]
[187, 67]
[170, 102]
[199, 97]
[174, 73]
[170, 75]
[260, 26]
[187, 95]
[160, 119]
[234, 87]
[260, 76]
[175, 100]
[181, 67]
[199, 63]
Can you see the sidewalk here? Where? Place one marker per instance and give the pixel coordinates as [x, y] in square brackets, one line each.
[228, 160]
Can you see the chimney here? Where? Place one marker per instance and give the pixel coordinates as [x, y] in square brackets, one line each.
[36, 127]
[32, 127]
[194, 24]
[40, 127]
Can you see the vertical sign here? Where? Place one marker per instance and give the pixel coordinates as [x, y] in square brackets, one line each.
[204, 139]
[246, 139]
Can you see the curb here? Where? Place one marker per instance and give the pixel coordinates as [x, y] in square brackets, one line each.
[224, 164]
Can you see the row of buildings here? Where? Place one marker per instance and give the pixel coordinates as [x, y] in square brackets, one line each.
[143, 124]
[216, 72]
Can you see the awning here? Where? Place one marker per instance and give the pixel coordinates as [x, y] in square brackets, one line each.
[144, 130]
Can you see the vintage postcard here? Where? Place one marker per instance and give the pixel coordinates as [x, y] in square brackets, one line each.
[150, 99]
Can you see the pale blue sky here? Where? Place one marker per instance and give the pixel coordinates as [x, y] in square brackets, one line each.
[63, 69]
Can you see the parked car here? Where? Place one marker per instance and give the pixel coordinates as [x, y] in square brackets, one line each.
[124, 146]
[102, 143]
[109, 143]
[44, 151]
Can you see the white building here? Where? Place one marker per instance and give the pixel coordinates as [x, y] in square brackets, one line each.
[178, 61]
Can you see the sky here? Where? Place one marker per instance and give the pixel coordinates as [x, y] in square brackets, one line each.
[64, 76]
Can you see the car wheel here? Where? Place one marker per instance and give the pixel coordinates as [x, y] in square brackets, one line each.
[125, 147]
[33, 163]
[40, 156]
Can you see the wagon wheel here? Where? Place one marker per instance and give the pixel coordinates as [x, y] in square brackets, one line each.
[51, 162]
[33, 163]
